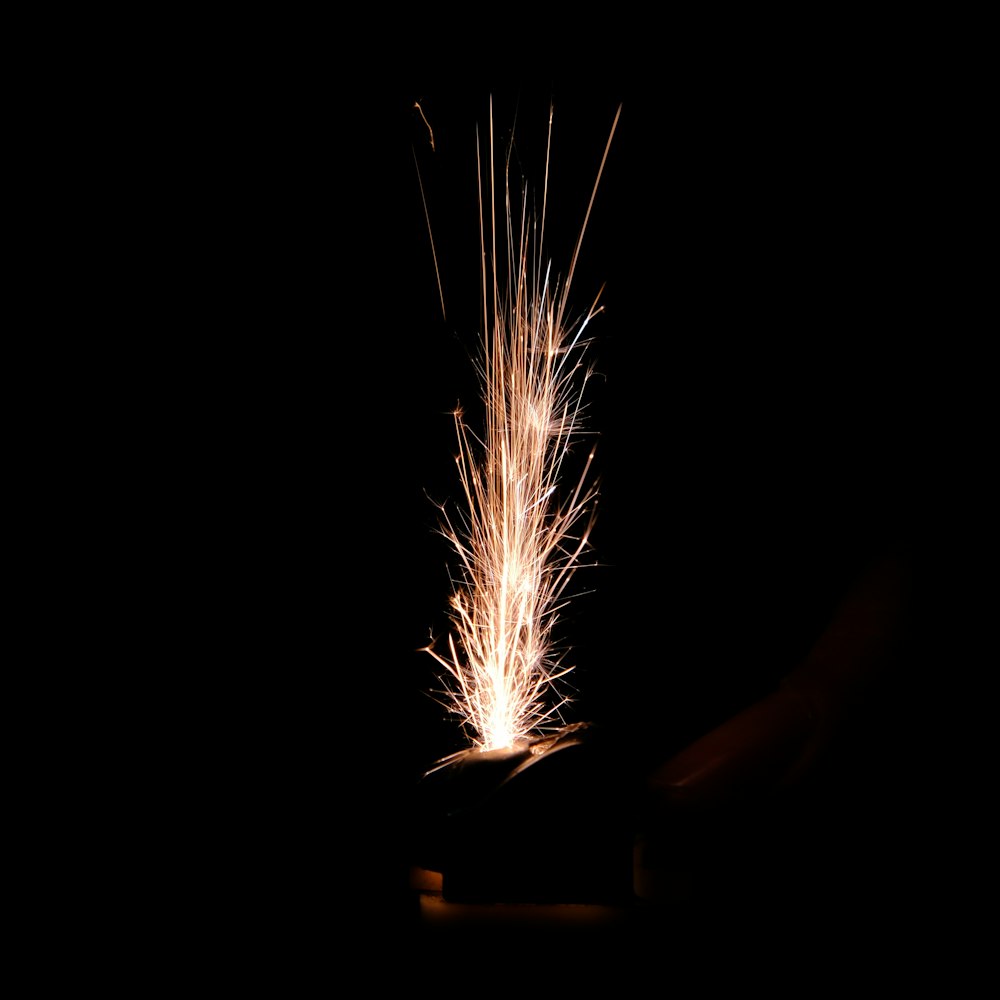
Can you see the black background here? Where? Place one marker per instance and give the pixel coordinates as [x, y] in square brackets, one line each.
[767, 412]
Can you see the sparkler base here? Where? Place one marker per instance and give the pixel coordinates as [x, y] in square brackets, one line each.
[543, 824]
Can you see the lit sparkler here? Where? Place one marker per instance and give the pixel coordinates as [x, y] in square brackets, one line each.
[521, 535]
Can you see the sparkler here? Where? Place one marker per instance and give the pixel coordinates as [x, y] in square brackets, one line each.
[521, 536]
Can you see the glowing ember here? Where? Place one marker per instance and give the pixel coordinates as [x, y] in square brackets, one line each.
[521, 536]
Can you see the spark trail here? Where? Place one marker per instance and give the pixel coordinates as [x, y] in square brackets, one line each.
[521, 534]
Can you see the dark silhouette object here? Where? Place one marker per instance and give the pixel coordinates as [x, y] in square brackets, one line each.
[756, 807]
[741, 814]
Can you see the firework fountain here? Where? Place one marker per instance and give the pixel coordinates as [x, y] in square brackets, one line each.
[521, 535]
[531, 811]
[518, 541]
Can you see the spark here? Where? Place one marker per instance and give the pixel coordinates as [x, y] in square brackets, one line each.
[423, 199]
[430, 131]
[430, 233]
[520, 536]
